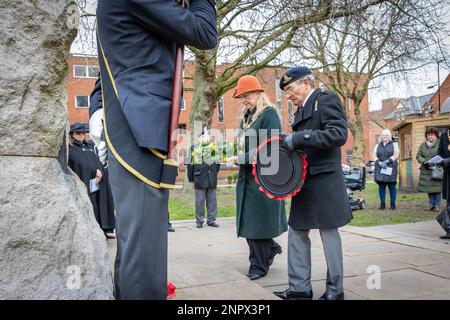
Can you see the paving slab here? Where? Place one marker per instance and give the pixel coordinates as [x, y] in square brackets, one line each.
[441, 270]
[432, 245]
[211, 263]
[230, 290]
[420, 257]
[399, 285]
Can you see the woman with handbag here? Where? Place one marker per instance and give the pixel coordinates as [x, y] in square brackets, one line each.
[258, 218]
[385, 155]
[430, 179]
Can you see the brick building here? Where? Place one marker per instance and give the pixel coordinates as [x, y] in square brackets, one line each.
[83, 70]
[444, 94]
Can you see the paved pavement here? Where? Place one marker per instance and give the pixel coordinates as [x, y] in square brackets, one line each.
[211, 263]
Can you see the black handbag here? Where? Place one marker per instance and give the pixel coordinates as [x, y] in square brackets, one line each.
[443, 219]
[437, 173]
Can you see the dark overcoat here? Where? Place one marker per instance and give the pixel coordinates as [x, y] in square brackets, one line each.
[320, 128]
[84, 162]
[258, 217]
[444, 152]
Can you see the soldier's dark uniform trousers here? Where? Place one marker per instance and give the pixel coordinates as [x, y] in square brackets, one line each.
[136, 50]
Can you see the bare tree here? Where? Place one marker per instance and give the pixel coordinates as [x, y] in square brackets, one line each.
[350, 52]
[254, 35]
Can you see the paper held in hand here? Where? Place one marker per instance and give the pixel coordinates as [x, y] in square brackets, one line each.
[435, 160]
[93, 185]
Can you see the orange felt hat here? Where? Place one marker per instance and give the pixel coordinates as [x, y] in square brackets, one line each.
[247, 84]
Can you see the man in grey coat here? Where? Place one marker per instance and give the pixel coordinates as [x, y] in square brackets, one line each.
[320, 129]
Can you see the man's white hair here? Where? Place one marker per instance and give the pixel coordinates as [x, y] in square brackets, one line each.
[310, 78]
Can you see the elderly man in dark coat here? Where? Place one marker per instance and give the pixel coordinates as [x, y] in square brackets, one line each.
[320, 129]
[136, 41]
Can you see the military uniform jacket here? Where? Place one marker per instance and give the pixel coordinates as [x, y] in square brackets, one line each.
[320, 130]
[136, 48]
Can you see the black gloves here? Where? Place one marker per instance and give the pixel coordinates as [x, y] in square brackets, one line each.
[288, 144]
[446, 163]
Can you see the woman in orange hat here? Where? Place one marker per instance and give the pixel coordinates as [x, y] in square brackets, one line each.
[258, 218]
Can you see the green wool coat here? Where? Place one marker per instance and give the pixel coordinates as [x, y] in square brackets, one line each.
[426, 184]
[258, 217]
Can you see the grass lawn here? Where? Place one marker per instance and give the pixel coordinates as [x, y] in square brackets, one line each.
[410, 207]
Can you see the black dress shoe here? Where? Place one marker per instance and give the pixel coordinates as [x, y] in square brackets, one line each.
[447, 236]
[199, 225]
[253, 276]
[392, 207]
[213, 224]
[171, 229]
[290, 294]
[340, 296]
[382, 206]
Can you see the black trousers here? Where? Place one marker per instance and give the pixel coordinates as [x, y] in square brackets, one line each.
[261, 252]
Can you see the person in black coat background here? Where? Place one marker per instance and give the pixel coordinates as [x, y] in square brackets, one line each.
[85, 163]
[444, 152]
[320, 129]
[204, 177]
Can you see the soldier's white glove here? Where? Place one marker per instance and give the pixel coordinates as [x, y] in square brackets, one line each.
[95, 131]
[103, 152]
[96, 127]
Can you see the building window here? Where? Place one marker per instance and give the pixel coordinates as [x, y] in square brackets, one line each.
[79, 71]
[182, 128]
[82, 101]
[93, 71]
[85, 71]
[220, 109]
[183, 104]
